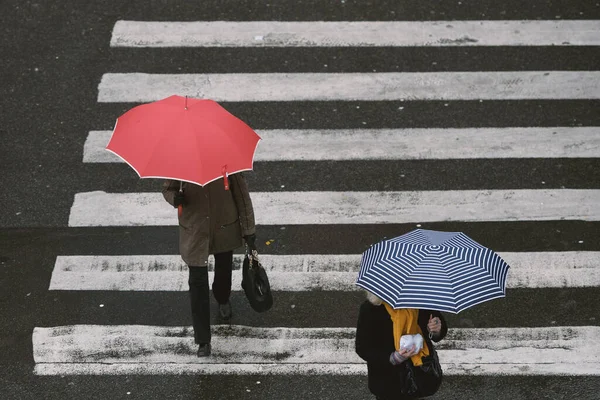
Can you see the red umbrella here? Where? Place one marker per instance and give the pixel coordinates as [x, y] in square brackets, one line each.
[186, 139]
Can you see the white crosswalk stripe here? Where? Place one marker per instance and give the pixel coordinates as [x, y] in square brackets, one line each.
[512, 85]
[107, 349]
[402, 144]
[85, 349]
[292, 208]
[355, 34]
[303, 272]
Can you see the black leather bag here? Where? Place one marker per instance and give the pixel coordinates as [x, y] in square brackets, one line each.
[424, 380]
[256, 284]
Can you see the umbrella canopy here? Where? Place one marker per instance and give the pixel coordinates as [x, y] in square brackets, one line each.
[186, 139]
[444, 271]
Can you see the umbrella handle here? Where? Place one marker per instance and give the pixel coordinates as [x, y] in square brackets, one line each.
[225, 177]
[180, 207]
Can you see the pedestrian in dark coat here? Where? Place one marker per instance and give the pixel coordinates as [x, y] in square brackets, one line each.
[213, 221]
[375, 343]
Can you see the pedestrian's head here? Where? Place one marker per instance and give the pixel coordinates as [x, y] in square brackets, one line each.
[376, 301]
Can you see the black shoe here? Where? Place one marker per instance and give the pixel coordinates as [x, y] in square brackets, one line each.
[225, 311]
[204, 350]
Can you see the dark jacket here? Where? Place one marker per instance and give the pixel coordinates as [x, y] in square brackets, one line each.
[214, 220]
[375, 343]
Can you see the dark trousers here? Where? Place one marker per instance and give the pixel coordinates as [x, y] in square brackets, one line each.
[200, 297]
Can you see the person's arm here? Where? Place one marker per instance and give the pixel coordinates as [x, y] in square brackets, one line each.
[241, 196]
[172, 194]
[170, 187]
[366, 345]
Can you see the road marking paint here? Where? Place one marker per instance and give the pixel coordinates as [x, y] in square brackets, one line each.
[298, 208]
[126, 349]
[301, 272]
[355, 34]
[495, 85]
[402, 144]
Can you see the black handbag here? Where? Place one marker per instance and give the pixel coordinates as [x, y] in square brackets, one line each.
[424, 380]
[256, 283]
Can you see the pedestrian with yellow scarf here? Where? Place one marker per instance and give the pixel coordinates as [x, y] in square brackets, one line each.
[378, 336]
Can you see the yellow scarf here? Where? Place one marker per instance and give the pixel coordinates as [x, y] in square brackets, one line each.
[405, 323]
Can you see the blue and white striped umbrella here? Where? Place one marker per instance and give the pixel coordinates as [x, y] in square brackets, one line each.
[444, 271]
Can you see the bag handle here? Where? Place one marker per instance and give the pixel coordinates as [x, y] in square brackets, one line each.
[252, 256]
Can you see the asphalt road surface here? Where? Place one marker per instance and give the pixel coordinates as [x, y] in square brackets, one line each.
[54, 58]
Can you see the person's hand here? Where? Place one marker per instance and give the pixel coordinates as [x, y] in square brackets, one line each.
[434, 326]
[408, 353]
[250, 242]
[179, 199]
[398, 357]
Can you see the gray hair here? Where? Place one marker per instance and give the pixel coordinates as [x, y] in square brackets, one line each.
[376, 301]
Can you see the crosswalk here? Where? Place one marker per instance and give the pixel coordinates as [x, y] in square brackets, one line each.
[107, 349]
